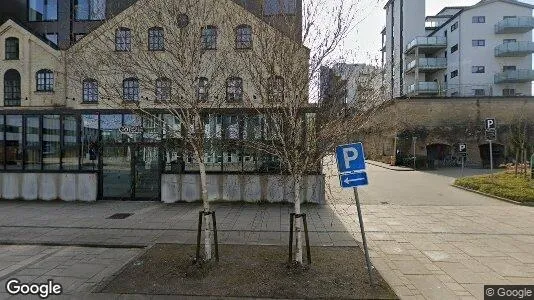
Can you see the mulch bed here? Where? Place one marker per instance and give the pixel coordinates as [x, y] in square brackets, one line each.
[250, 271]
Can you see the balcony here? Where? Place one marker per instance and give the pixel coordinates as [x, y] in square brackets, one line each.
[517, 76]
[515, 25]
[514, 49]
[427, 44]
[425, 88]
[428, 64]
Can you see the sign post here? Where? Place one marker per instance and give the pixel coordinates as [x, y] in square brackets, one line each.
[462, 149]
[532, 166]
[414, 140]
[351, 167]
[491, 135]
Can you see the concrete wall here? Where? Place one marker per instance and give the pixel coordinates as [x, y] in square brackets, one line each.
[248, 188]
[48, 186]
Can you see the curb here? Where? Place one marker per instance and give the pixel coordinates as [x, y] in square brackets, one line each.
[493, 196]
[384, 166]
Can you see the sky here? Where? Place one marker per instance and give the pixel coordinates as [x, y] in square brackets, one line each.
[365, 39]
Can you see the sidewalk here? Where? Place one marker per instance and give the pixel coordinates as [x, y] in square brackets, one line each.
[387, 166]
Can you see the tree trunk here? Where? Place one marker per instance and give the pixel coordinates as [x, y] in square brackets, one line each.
[298, 221]
[206, 206]
[516, 161]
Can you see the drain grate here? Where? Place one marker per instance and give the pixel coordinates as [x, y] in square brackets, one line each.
[120, 216]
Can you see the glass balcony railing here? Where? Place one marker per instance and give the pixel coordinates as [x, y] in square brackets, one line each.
[515, 25]
[427, 42]
[514, 49]
[517, 76]
[427, 63]
[425, 88]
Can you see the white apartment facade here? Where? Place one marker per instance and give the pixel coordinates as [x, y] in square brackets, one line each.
[480, 50]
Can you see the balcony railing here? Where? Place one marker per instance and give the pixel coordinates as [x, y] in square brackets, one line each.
[424, 87]
[517, 76]
[514, 49]
[427, 64]
[515, 25]
[427, 42]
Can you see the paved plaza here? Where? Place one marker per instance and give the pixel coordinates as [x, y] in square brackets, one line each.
[429, 240]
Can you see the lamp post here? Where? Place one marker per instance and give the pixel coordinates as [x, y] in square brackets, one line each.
[414, 139]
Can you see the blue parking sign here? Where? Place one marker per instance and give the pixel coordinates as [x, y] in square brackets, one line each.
[350, 158]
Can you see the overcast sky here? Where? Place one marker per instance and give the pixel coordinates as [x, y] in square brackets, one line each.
[365, 40]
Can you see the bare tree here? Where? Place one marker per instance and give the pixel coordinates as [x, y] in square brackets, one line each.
[160, 56]
[285, 72]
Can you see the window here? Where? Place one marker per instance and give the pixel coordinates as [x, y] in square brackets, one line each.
[42, 10]
[89, 141]
[51, 142]
[130, 89]
[454, 26]
[274, 7]
[13, 131]
[454, 73]
[454, 48]
[156, 40]
[243, 37]
[202, 89]
[163, 89]
[479, 92]
[90, 90]
[12, 88]
[445, 53]
[234, 89]
[12, 48]
[508, 68]
[276, 89]
[478, 69]
[209, 37]
[52, 38]
[479, 43]
[70, 143]
[445, 78]
[509, 17]
[479, 19]
[123, 39]
[32, 147]
[506, 41]
[89, 10]
[508, 92]
[45, 81]
[78, 36]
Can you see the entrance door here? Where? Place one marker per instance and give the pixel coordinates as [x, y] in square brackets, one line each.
[147, 173]
[131, 173]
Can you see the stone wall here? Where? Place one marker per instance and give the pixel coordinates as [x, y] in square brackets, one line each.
[248, 188]
[48, 186]
[446, 121]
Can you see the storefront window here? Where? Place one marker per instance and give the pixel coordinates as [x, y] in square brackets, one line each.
[152, 129]
[2, 150]
[132, 130]
[90, 148]
[13, 150]
[70, 143]
[110, 126]
[32, 148]
[51, 142]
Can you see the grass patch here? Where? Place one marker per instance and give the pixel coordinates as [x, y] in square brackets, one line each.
[506, 185]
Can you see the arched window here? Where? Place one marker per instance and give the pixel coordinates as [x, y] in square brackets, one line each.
[243, 37]
[45, 80]
[209, 37]
[90, 90]
[163, 89]
[123, 39]
[12, 88]
[130, 89]
[12, 48]
[202, 89]
[156, 39]
[276, 89]
[234, 89]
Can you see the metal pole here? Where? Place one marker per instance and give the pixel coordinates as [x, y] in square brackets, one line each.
[414, 157]
[491, 156]
[366, 250]
[463, 160]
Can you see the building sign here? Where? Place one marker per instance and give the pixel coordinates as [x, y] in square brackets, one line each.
[131, 130]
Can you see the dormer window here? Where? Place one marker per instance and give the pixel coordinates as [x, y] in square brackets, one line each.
[12, 48]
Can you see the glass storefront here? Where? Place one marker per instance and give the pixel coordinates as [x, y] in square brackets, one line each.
[129, 152]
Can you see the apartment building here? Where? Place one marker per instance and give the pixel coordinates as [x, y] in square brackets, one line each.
[466, 51]
[69, 139]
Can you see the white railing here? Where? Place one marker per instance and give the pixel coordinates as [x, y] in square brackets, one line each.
[514, 49]
[428, 63]
[517, 24]
[514, 76]
[429, 41]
